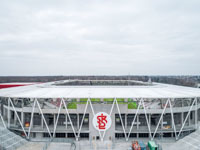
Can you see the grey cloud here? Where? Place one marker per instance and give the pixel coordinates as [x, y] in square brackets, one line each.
[99, 37]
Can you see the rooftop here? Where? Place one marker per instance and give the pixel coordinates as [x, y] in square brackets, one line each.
[100, 89]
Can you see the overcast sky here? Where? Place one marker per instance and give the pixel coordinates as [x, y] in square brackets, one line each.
[99, 37]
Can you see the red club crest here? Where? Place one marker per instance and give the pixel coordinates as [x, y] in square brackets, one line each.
[102, 121]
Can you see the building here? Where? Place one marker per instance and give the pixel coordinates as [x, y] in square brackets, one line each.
[100, 110]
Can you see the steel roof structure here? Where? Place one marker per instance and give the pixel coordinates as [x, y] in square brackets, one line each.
[50, 90]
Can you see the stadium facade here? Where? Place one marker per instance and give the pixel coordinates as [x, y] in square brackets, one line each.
[100, 110]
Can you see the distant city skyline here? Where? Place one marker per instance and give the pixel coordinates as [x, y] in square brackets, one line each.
[140, 37]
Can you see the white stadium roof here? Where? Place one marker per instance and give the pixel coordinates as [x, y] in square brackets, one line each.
[49, 90]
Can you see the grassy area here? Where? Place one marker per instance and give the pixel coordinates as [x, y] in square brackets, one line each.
[84, 100]
[132, 105]
[95, 99]
[108, 99]
[121, 101]
[72, 105]
[130, 100]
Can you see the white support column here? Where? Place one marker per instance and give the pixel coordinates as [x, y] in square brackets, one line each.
[2, 120]
[69, 118]
[58, 114]
[66, 125]
[17, 117]
[125, 121]
[83, 118]
[78, 122]
[43, 118]
[137, 117]
[182, 118]
[31, 123]
[22, 113]
[161, 133]
[160, 118]
[189, 119]
[134, 119]
[146, 118]
[54, 120]
[42, 123]
[121, 119]
[186, 119]
[8, 113]
[196, 114]
[22, 116]
[150, 123]
[172, 116]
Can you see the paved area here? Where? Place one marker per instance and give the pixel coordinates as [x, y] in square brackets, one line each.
[85, 145]
[59, 146]
[119, 145]
[190, 142]
[32, 146]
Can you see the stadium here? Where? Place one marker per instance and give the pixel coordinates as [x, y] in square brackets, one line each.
[100, 110]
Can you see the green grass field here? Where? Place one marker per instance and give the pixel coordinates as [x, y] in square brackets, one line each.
[131, 104]
[72, 105]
